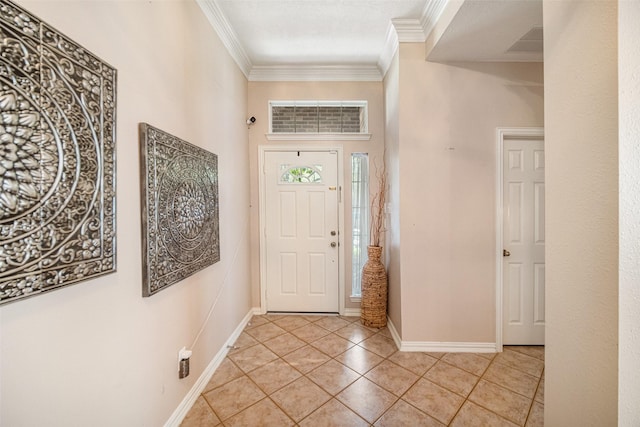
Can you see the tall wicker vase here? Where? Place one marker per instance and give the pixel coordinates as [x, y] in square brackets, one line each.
[373, 305]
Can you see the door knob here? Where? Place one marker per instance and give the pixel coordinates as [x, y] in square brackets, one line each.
[333, 244]
[333, 233]
[506, 252]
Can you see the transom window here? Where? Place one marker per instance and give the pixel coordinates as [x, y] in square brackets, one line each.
[318, 117]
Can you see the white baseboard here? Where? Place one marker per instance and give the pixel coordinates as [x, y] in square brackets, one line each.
[448, 347]
[394, 333]
[352, 312]
[183, 409]
[440, 347]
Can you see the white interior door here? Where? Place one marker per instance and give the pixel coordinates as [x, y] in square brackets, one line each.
[523, 242]
[301, 231]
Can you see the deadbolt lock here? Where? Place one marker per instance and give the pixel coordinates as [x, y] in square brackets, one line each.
[333, 233]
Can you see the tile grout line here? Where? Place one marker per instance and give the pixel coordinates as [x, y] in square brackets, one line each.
[466, 399]
[360, 375]
[533, 400]
[379, 331]
[363, 375]
[305, 375]
[476, 385]
[246, 374]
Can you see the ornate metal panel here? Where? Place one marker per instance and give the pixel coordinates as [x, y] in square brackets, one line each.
[57, 159]
[180, 229]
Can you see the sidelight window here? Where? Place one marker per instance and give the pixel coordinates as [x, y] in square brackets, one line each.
[359, 217]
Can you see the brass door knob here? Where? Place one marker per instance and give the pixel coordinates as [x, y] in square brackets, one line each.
[506, 252]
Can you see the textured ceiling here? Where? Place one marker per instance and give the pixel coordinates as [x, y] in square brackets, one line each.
[315, 32]
[485, 30]
[355, 39]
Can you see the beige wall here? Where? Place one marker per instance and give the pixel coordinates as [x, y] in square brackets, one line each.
[260, 93]
[629, 164]
[392, 147]
[581, 121]
[97, 353]
[447, 206]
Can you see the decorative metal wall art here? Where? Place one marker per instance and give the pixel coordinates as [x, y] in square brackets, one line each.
[57, 159]
[180, 229]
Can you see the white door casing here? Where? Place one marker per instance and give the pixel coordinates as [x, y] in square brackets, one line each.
[300, 253]
[521, 238]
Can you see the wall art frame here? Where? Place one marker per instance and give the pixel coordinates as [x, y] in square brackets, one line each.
[57, 159]
[179, 205]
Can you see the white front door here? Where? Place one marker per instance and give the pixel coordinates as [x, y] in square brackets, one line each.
[301, 231]
[523, 242]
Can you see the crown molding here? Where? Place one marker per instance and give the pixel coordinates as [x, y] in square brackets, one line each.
[409, 30]
[330, 73]
[389, 50]
[431, 14]
[402, 30]
[226, 33]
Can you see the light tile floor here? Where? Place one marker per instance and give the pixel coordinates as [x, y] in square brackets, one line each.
[332, 371]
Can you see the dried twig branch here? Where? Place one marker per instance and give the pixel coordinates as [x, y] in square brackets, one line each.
[377, 225]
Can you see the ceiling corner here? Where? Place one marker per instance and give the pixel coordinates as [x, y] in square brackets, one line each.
[388, 51]
[431, 14]
[409, 30]
[227, 35]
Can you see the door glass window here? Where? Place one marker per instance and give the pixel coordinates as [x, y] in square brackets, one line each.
[301, 174]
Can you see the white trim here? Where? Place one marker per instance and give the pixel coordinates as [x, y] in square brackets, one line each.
[352, 312]
[409, 30]
[431, 14]
[227, 35]
[449, 347]
[439, 347]
[355, 299]
[501, 135]
[262, 149]
[257, 311]
[318, 136]
[394, 333]
[316, 73]
[389, 50]
[185, 406]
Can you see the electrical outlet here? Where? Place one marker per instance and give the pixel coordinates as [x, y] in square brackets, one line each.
[183, 362]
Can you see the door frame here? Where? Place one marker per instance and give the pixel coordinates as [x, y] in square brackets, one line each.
[502, 134]
[262, 149]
